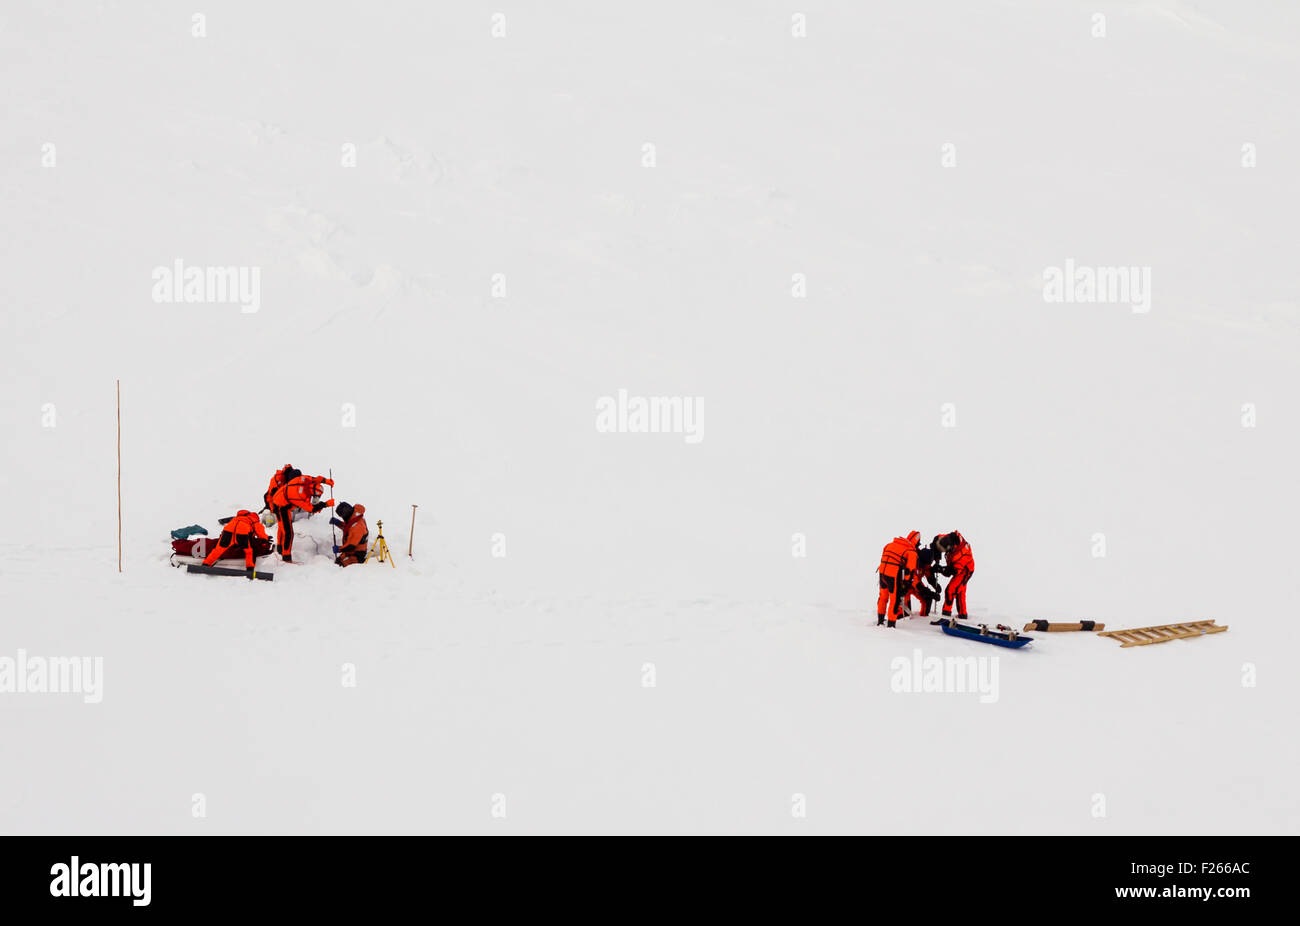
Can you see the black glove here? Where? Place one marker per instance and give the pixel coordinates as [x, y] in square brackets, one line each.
[318, 507]
[948, 571]
[335, 522]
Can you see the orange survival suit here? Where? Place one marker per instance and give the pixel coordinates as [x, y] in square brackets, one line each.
[238, 532]
[924, 586]
[278, 478]
[897, 564]
[961, 566]
[356, 535]
[297, 492]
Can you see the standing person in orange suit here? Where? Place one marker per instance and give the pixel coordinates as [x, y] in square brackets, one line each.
[238, 532]
[897, 563]
[296, 493]
[278, 478]
[960, 567]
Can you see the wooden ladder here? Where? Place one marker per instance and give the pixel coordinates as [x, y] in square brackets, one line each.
[1141, 636]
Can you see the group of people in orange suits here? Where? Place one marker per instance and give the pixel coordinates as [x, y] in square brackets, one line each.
[908, 570]
[289, 492]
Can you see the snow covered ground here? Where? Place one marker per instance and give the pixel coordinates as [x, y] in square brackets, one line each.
[823, 227]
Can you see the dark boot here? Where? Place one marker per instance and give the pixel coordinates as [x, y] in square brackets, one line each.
[880, 619]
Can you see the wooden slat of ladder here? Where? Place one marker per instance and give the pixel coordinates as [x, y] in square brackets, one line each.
[1202, 631]
[1157, 635]
[1158, 629]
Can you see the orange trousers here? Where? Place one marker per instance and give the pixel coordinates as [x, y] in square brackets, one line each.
[925, 595]
[889, 602]
[956, 592]
[225, 542]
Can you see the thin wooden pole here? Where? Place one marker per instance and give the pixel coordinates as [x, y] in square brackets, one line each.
[119, 475]
[411, 545]
[333, 514]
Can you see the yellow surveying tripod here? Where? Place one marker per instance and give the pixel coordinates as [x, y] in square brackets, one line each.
[381, 545]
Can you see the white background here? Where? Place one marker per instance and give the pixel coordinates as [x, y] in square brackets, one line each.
[775, 155]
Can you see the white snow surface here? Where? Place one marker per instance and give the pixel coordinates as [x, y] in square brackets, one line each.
[511, 694]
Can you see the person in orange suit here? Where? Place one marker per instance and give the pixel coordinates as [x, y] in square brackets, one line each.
[317, 485]
[238, 532]
[278, 478]
[960, 567]
[356, 535]
[897, 563]
[297, 493]
[924, 586]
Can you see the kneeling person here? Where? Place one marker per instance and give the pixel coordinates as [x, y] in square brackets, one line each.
[925, 587]
[239, 533]
[355, 534]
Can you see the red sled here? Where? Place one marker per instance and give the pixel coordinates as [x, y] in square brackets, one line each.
[200, 547]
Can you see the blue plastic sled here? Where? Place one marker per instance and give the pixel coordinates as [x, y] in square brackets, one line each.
[996, 637]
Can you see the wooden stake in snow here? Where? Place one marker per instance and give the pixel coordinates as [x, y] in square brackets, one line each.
[411, 545]
[119, 475]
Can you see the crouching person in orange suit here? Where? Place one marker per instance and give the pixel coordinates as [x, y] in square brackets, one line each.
[356, 535]
[925, 587]
[239, 533]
